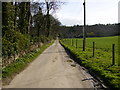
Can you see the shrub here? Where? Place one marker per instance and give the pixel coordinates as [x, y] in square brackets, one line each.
[13, 42]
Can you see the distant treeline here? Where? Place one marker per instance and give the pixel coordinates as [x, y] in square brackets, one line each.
[97, 30]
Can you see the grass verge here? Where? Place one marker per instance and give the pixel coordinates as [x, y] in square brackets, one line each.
[20, 64]
[110, 75]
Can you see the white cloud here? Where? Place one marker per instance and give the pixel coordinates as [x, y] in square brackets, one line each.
[98, 11]
[103, 12]
[119, 12]
[70, 20]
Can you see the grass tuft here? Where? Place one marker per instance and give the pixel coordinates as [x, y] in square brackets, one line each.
[20, 64]
[101, 63]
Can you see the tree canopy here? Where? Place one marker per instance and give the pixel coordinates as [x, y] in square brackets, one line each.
[25, 24]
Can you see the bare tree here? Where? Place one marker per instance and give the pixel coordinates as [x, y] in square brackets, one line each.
[51, 6]
[48, 7]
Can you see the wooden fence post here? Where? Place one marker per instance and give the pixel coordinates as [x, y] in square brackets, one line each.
[76, 43]
[113, 54]
[69, 41]
[93, 49]
[84, 44]
[72, 42]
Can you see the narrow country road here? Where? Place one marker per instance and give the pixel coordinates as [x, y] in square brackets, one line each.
[52, 69]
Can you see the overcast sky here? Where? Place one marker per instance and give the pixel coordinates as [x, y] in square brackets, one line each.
[98, 12]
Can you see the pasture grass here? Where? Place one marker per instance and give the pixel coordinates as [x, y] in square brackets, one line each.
[101, 63]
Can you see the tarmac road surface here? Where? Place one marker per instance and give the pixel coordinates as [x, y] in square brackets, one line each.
[52, 69]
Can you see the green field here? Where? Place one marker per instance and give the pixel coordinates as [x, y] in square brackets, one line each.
[101, 63]
[104, 43]
[103, 46]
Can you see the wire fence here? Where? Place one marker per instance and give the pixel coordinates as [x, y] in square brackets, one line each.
[94, 46]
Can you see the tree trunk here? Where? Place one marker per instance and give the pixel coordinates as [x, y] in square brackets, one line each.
[48, 19]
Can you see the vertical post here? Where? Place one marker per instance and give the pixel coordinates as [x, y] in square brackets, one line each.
[83, 44]
[113, 54]
[93, 49]
[66, 41]
[69, 41]
[72, 42]
[84, 36]
[76, 43]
